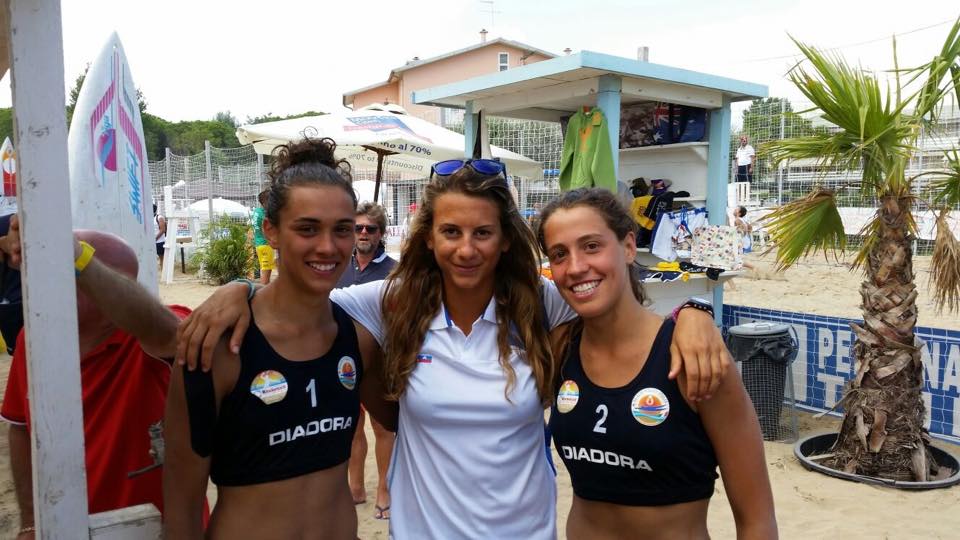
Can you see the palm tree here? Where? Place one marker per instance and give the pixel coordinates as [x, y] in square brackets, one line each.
[876, 132]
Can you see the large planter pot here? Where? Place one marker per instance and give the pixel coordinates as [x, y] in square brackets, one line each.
[816, 445]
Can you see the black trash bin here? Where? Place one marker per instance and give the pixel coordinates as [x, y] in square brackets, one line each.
[764, 350]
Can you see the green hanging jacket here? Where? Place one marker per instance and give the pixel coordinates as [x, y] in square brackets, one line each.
[587, 159]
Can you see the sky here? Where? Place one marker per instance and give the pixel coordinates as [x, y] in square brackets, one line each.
[195, 58]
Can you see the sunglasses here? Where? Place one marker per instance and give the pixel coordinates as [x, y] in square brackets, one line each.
[486, 167]
[371, 229]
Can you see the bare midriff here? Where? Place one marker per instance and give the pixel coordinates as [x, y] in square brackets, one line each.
[605, 521]
[316, 505]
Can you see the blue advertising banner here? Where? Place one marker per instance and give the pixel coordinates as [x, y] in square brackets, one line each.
[824, 363]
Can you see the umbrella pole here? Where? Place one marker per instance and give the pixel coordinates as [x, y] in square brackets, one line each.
[376, 186]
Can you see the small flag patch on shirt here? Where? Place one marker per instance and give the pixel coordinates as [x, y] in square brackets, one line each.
[424, 359]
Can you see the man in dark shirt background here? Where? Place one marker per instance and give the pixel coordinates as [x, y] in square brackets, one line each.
[370, 262]
[11, 308]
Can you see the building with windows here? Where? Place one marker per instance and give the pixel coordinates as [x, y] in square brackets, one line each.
[485, 57]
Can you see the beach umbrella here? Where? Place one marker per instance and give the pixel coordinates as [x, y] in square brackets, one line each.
[381, 136]
[220, 206]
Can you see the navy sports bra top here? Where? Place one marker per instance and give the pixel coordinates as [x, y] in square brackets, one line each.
[283, 418]
[637, 445]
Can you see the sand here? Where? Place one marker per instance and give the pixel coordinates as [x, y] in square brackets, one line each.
[809, 505]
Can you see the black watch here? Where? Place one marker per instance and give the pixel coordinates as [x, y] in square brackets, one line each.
[697, 303]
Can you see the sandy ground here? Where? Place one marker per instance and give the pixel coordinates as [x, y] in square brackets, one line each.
[809, 505]
[823, 287]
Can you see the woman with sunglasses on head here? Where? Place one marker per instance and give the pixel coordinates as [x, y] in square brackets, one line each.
[641, 456]
[273, 430]
[463, 319]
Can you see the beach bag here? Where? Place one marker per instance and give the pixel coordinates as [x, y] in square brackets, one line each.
[717, 246]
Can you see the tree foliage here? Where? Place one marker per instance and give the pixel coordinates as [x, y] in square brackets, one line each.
[270, 117]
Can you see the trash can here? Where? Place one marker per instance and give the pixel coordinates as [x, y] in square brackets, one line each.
[765, 351]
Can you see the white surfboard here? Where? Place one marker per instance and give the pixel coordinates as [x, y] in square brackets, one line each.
[8, 163]
[109, 176]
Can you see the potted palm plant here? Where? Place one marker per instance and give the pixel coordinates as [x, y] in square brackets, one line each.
[876, 131]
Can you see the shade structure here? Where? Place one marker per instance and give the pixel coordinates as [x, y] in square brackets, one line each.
[377, 137]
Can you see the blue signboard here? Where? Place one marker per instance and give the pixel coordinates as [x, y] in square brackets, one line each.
[824, 363]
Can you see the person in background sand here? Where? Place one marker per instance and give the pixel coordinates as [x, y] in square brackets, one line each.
[370, 262]
[614, 398]
[126, 347]
[463, 320]
[265, 255]
[160, 232]
[745, 157]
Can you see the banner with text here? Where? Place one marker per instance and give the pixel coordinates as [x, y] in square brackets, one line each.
[824, 363]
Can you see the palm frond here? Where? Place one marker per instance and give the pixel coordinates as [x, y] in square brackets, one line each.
[946, 188]
[806, 225]
[945, 267]
[942, 76]
[872, 133]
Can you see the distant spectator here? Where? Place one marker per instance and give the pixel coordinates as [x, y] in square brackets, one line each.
[369, 262]
[745, 159]
[160, 230]
[265, 256]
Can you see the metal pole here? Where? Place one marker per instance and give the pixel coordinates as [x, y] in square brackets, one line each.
[260, 173]
[49, 286]
[206, 155]
[169, 167]
[780, 169]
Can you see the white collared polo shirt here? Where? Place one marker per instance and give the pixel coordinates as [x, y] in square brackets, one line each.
[467, 462]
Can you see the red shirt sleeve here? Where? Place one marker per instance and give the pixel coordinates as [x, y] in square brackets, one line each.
[180, 311]
[15, 406]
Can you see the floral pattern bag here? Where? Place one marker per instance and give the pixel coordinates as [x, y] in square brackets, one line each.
[717, 246]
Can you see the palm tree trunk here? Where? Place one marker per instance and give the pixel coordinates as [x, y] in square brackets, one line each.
[882, 433]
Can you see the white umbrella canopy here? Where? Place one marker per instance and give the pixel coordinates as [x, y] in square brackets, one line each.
[220, 206]
[378, 137]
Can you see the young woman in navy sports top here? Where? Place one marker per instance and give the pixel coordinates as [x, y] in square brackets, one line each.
[642, 458]
[273, 430]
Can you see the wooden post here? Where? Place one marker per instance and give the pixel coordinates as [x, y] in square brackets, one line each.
[259, 172]
[49, 290]
[206, 155]
[170, 245]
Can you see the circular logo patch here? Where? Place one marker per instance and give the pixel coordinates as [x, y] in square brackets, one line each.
[269, 386]
[347, 373]
[568, 396]
[650, 407]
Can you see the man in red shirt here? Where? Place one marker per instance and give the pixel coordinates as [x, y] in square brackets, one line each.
[125, 350]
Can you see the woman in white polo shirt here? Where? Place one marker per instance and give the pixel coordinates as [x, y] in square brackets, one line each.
[465, 331]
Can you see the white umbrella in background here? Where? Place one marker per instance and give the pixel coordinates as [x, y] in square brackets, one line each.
[220, 206]
[379, 136]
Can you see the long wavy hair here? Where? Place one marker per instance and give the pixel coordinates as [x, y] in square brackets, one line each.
[414, 289]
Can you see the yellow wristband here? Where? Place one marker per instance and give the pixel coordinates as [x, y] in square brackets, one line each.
[86, 255]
